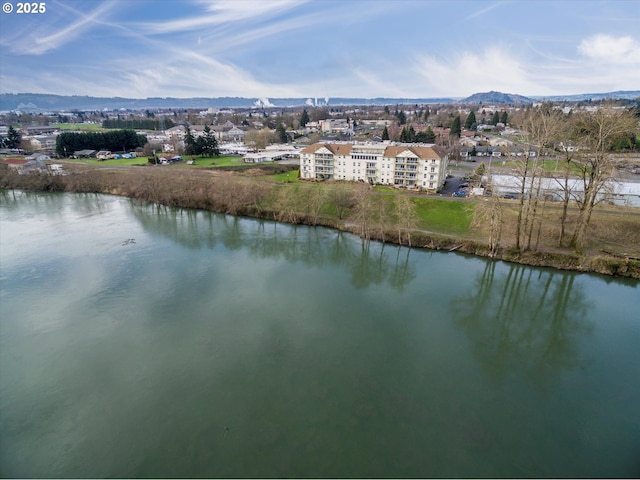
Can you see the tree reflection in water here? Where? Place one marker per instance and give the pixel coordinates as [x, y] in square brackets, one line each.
[369, 263]
[526, 320]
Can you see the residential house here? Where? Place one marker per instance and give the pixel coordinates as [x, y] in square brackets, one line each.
[41, 143]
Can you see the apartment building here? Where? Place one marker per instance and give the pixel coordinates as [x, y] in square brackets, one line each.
[403, 165]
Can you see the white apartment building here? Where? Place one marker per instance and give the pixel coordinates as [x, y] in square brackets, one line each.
[403, 165]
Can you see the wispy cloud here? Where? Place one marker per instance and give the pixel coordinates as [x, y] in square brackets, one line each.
[221, 13]
[484, 10]
[39, 42]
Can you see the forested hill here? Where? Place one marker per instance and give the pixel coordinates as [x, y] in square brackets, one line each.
[496, 97]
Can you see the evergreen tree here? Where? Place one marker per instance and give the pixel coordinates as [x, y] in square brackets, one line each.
[411, 134]
[207, 143]
[190, 146]
[404, 135]
[456, 128]
[430, 136]
[504, 117]
[471, 119]
[385, 133]
[304, 118]
[402, 117]
[495, 119]
[13, 138]
[281, 133]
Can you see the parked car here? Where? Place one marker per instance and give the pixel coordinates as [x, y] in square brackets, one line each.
[460, 193]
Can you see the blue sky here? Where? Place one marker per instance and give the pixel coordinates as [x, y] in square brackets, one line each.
[320, 48]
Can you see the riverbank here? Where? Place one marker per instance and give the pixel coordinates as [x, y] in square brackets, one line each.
[387, 216]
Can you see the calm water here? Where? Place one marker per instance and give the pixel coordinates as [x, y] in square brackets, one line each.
[139, 341]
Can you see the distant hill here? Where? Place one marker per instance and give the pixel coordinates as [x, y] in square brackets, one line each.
[37, 102]
[495, 97]
[621, 95]
[499, 97]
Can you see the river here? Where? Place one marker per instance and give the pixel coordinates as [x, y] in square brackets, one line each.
[144, 341]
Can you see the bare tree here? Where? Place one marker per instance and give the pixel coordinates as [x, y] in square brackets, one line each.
[407, 217]
[259, 139]
[597, 131]
[341, 197]
[314, 197]
[566, 187]
[364, 210]
[384, 212]
[541, 125]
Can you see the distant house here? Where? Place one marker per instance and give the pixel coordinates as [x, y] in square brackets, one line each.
[14, 163]
[234, 134]
[32, 164]
[38, 130]
[85, 153]
[39, 143]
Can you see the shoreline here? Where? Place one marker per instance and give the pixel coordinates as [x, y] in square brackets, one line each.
[601, 262]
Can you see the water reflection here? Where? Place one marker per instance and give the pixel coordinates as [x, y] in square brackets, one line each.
[524, 319]
[368, 263]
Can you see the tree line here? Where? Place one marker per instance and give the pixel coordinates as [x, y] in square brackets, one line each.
[580, 145]
[115, 141]
[138, 123]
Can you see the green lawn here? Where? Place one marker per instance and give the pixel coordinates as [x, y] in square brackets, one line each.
[444, 216]
[88, 127]
[221, 161]
[285, 177]
[121, 162]
[550, 166]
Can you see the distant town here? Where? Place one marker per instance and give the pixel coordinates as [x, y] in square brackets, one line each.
[488, 123]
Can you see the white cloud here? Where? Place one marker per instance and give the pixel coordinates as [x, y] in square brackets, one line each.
[469, 72]
[611, 50]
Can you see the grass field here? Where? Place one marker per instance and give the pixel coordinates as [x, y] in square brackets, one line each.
[222, 161]
[85, 127]
[285, 177]
[121, 162]
[444, 215]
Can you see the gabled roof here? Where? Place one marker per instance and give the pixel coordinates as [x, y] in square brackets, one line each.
[421, 151]
[391, 151]
[334, 148]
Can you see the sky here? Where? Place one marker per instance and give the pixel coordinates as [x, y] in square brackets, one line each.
[320, 48]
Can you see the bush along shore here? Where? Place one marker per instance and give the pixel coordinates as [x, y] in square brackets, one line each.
[380, 215]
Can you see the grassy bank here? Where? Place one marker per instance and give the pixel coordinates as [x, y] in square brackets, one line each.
[390, 216]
